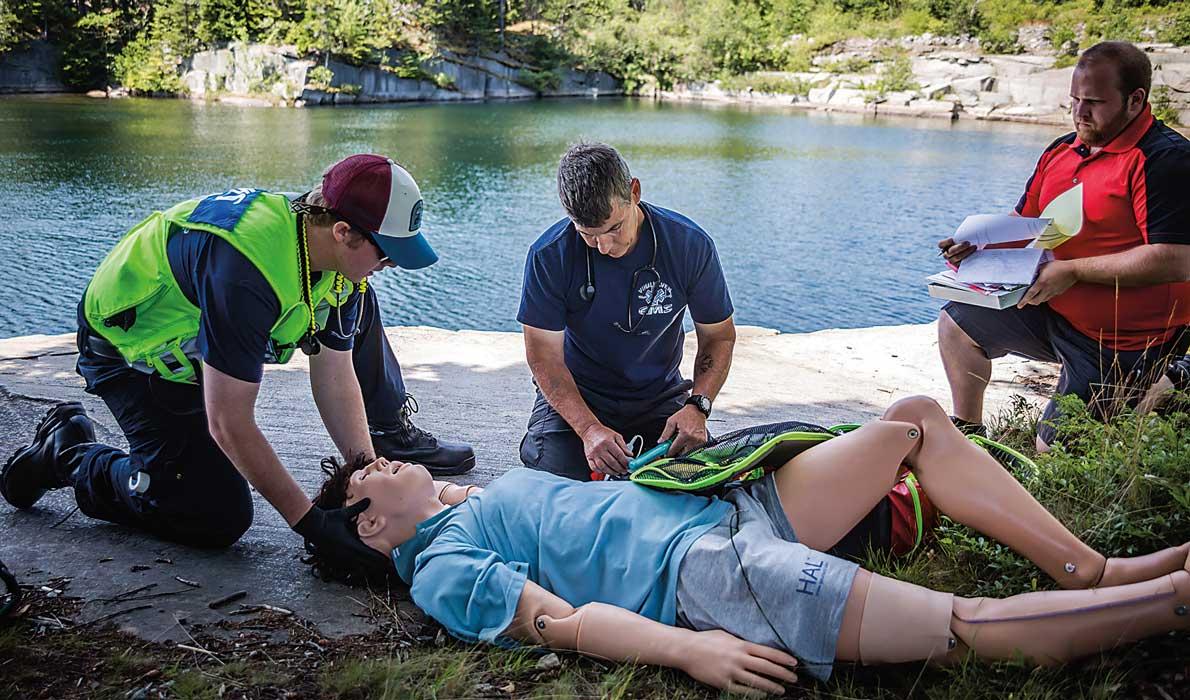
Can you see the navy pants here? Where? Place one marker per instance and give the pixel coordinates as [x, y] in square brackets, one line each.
[551, 445]
[1102, 377]
[196, 496]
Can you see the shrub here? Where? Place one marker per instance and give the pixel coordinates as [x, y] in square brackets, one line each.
[1176, 29]
[445, 81]
[147, 66]
[896, 76]
[770, 83]
[1163, 106]
[1000, 41]
[88, 53]
[319, 78]
[851, 64]
[539, 81]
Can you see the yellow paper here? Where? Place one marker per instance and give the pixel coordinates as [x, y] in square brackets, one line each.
[1066, 210]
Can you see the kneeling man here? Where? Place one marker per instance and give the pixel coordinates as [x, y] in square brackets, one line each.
[605, 293]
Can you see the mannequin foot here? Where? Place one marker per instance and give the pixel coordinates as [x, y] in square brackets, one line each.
[1123, 570]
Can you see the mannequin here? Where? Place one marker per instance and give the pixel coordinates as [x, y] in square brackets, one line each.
[823, 492]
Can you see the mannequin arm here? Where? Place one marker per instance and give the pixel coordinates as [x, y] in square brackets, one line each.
[615, 634]
[454, 494]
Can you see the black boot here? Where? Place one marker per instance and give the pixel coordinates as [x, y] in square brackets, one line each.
[409, 443]
[49, 461]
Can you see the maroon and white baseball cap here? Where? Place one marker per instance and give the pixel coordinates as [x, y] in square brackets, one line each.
[376, 195]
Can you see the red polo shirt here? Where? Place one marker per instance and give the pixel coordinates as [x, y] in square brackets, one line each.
[1136, 191]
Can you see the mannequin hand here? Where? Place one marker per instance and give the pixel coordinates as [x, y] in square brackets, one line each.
[605, 450]
[688, 428]
[727, 662]
[1054, 278]
[955, 253]
[334, 533]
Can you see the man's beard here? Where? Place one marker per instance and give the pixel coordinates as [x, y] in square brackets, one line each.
[1100, 137]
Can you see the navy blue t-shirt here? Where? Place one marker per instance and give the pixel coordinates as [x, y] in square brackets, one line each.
[238, 308]
[612, 367]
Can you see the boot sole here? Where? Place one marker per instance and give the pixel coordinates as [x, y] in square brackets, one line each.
[454, 470]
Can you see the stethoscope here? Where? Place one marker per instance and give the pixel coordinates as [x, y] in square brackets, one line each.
[586, 292]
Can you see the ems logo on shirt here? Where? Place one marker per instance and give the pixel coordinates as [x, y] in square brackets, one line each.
[225, 209]
[655, 295]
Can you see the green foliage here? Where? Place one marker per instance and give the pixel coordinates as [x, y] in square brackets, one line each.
[957, 16]
[1163, 106]
[466, 23]
[147, 66]
[851, 64]
[539, 81]
[445, 81]
[896, 75]
[647, 43]
[319, 77]
[10, 28]
[87, 58]
[1176, 29]
[770, 83]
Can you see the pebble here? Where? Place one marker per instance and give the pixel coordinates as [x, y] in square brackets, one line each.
[548, 662]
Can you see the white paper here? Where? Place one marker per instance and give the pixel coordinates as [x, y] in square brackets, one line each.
[982, 230]
[1001, 266]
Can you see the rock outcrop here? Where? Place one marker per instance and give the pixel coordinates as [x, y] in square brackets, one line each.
[953, 80]
[33, 68]
[270, 74]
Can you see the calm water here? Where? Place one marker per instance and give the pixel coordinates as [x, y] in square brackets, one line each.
[821, 221]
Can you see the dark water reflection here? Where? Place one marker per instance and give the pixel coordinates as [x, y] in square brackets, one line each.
[821, 221]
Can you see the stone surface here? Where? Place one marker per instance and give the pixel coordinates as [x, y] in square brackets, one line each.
[279, 75]
[472, 386]
[31, 69]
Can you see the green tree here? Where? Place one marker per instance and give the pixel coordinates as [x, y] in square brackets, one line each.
[87, 58]
[148, 65]
[10, 28]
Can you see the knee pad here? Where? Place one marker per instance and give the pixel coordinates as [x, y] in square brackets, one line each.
[904, 622]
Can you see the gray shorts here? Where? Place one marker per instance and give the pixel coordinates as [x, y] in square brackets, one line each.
[1095, 373]
[800, 591]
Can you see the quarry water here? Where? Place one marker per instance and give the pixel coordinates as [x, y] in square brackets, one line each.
[821, 221]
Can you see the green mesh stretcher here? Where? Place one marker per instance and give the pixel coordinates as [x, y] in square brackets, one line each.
[750, 453]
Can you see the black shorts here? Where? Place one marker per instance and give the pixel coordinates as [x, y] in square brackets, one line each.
[1097, 374]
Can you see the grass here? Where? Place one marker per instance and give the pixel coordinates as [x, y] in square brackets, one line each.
[1123, 485]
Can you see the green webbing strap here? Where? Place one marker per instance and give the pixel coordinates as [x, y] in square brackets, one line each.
[911, 481]
[988, 445]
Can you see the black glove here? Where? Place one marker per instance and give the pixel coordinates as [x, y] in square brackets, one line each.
[331, 536]
[10, 593]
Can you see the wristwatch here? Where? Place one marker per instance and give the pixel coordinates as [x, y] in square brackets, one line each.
[702, 403]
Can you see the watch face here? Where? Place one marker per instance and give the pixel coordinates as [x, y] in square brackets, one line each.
[702, 403]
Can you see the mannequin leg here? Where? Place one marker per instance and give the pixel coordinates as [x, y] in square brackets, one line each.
[889, 621]
[968, 485]
[826, 490]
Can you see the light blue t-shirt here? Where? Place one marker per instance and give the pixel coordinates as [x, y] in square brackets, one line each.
[610, 542]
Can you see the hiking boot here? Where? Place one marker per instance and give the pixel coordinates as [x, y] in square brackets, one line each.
[968, 428]
[409, 443]
[51, 459]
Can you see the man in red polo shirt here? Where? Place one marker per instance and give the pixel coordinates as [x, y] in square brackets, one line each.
[1114, 304]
